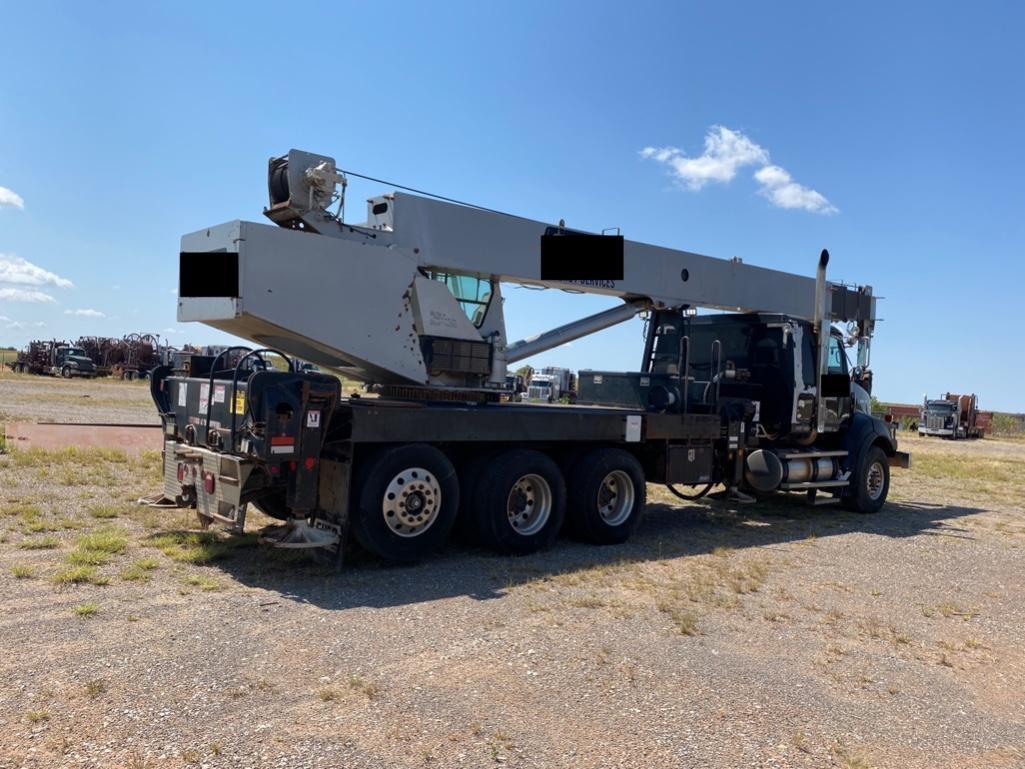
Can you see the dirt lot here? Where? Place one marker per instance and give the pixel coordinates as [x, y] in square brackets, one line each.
[777, 636]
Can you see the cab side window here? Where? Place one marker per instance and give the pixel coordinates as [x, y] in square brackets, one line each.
[837, 358]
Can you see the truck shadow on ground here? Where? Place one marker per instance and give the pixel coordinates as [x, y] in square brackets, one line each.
[666, 532]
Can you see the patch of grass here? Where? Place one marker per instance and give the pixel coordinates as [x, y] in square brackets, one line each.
[360, 684]
[848, 759]
[37, 716]
[586, 602]
[206, 584]
[966, 468]
[39, 543]
[749, 577]
[95, 688]
[801, 741]
[949, 609]
[22, 571]
[103, 511]
[686, 621]
[108, 540]
[98, 547]
[79, 575]
[87, 609]
[21, 510]
[329, 695]
[71, 456]
[190, 546]
[139, 571]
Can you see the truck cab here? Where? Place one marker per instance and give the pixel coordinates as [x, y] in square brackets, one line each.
[70, 362]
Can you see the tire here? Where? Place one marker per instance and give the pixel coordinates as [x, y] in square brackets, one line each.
[414, 473]
[871, 482]
[519, 502]
[470, 472]
[66, 372]
[607, 494]
[273, 505]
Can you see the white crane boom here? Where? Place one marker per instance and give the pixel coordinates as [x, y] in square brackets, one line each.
[412, 296]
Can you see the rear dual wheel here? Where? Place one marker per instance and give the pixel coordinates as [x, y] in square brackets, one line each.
[405, 501]
[607, 494]
[515, 501]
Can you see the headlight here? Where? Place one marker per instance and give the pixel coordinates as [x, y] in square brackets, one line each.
[73, 364]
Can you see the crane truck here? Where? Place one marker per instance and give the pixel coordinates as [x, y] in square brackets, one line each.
[757, 398]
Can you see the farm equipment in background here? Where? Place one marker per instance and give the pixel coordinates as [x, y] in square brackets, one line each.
[54, 358]
[954, 416]
[130, 357]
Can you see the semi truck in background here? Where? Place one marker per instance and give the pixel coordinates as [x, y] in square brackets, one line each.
[551, 385]
[54, 358]
[954, 416]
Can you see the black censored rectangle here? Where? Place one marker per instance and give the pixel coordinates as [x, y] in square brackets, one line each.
[208, 273]
[579, 256]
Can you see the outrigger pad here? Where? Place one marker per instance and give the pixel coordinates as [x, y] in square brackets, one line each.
[297, 533]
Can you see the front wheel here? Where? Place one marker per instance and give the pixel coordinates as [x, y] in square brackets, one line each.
[406, 499]
[66, 372]
[870, 482]
[606, 496]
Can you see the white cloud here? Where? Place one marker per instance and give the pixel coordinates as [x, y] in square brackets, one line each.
[726, 151]
[16, 325]
[11, 198]
[173, 330]
[86, 313]
[14, 269]
[783, 191]
[4, 319]
[25, 295]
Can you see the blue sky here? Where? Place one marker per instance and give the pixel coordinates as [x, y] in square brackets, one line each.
[123, 126]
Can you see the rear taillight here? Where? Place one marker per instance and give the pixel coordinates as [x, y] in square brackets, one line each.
[181, 472]
[208, 483]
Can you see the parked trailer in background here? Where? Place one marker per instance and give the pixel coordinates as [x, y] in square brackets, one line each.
[130, 357]
[905, 416]
[954, 416]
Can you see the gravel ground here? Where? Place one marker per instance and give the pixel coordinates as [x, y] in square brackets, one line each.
[25, 397]
[778, 636]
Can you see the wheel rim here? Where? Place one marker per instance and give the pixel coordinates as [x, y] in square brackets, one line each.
[529, 505]
[874, 480]
[411, 502]
[616, 498]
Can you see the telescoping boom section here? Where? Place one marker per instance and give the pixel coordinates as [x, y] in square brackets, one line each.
[758, 400]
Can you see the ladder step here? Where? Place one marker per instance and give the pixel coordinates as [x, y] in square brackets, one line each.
[812, 454]
[825, 501]
[813, 485]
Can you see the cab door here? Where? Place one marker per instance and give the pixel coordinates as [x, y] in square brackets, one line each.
[836, 386]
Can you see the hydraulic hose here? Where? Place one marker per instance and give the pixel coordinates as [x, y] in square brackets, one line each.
[689, 497]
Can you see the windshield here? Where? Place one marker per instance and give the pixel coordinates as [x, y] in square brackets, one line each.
[472, 293]
[940, 406]
[76, 351]
[540, 384]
